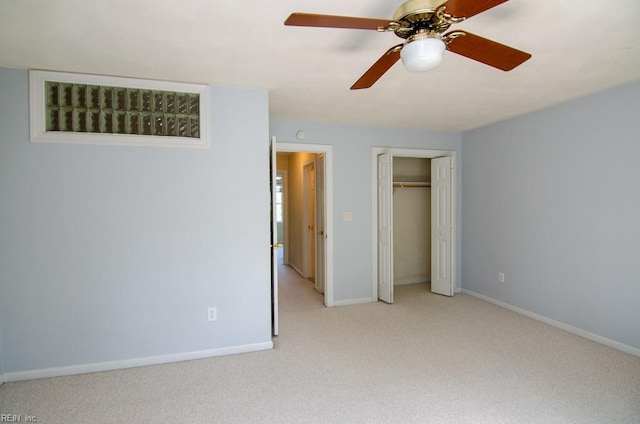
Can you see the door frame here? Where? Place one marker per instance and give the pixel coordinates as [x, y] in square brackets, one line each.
[410, 153]
[327, 150]
[320, 249]
[285, 213]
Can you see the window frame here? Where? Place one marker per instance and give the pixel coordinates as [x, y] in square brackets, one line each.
[37, 106]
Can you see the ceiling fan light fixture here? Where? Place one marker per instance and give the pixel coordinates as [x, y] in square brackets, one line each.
[422, 54]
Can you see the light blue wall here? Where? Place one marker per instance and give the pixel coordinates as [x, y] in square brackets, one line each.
[352, 147]
[110, 253]
[553, 199]
[1, 360]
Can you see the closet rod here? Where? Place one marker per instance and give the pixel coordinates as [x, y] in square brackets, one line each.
[411, 185]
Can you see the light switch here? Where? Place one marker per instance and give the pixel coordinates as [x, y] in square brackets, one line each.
[347, 216]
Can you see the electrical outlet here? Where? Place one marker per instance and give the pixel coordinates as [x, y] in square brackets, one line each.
[212, 313]
[501, 277]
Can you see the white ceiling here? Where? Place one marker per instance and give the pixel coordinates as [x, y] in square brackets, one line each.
[578, 47]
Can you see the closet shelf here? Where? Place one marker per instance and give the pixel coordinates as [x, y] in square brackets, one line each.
[410, 184]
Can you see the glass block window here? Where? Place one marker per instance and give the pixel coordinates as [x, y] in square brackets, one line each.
[110, 110]
[118, 110]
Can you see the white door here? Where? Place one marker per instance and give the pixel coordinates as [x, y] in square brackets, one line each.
[320, 225]
[308, 220]
[274, 238]
[385, 227]
[441, 227]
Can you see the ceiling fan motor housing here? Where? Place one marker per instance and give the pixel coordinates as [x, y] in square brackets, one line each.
[421, 17]
[417, 10]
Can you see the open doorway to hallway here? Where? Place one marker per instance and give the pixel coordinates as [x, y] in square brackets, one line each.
[305, 173]
[322, 157]
[299, 215]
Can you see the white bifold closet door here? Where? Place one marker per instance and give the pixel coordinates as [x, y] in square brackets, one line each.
[441, 226]
[385, 227]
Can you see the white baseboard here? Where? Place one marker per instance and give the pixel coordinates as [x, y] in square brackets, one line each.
[2, 380]
[295, 268]
[457, 290]
[561, 325]
[354, 301]
[131, 363]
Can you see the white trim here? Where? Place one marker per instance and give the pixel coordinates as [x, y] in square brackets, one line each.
[558, 324]
[37, 120]
[328, 169]
[275, 299]
[295, 268]
[413, 153]
[2, 379]
[354, 301]
[137, 362]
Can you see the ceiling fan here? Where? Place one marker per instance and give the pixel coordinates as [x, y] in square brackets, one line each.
[422, 24]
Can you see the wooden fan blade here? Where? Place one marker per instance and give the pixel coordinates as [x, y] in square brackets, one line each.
[469, 8]
[332, 21]
[486, 51]
[378, 69]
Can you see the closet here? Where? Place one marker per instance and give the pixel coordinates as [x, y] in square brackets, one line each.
[411, 220]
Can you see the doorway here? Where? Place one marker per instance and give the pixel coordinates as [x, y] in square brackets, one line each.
[411, 220]
[320, 202]
[441, 183]
[281, 178]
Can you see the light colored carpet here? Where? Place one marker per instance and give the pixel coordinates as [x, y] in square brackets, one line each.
[425, 359]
